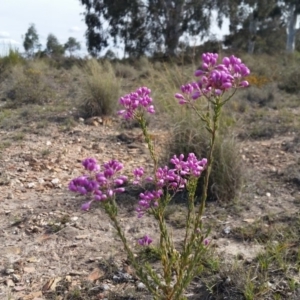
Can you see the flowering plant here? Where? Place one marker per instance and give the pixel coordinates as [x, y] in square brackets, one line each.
[179, 266]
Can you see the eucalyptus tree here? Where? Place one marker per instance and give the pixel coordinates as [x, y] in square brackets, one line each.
[31, 40]
[72, 45]
[251, 21]
[144, 25]
[257, 17]
[53, 47]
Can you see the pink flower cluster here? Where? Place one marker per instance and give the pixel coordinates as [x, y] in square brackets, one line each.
[215, 79]
[136, 101]
[174, 179]
[100, 186]
[145, 241]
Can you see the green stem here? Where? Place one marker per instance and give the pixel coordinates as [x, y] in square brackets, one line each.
[148, 140]
[139, 269]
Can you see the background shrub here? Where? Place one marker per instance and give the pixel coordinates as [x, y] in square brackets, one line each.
[12, 58]
[189, 135]
[29, 86]
[101, 89]
[290, 83]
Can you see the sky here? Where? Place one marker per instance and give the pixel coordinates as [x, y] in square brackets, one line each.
[63, 18]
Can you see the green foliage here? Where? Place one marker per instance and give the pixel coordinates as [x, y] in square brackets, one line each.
[101, 89]
[53, 47]
[12, 58]
[29, 86]
[137, 24]
[261, 96]
[125, 71]
[72, 45]
[290, 83]
[31, 40]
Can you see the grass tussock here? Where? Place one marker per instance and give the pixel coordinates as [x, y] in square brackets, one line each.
[190, 135]
[29, 85]
[12, 58]
[165, 80]
[101, 89]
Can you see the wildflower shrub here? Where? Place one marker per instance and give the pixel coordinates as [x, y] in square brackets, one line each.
[29, 86]
[102, 183]
[101, 88]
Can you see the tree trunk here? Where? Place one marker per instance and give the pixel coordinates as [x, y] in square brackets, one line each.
[173, 31]
[252, 34]
[291, 28]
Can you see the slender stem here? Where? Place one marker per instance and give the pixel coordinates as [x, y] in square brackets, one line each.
[148, 140]
[130, 254]
[214, 129]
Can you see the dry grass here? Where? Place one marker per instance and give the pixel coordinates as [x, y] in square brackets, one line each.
[101, 89]
[190, 136]
[29, 86]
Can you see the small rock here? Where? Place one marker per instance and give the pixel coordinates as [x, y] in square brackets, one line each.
[9, 283]
[116, 278]
[31, 185]
[227, 230]
[48, 143]
[29, 269]
[81, 120]
[16, 278]
[228, 280]
[140, 286]
[249, 220]
[248, 261]
[74, 219]
[55, 181]
[268, 195]
[81, 237]
[41, 181]
[105, 287]
[9, 271]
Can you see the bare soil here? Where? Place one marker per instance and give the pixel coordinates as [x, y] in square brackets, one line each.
[50, 249]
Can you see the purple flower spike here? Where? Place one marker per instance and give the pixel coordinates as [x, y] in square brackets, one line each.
[99, 186]
[138, 101]
[145, 241]
[215, 79]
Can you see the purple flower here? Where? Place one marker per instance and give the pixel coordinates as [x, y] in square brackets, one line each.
[99, 186]
[90, 164]
[138, 174]
[86, 206]
[209, 60]
[215, 79]
[145, 241]
[206, 242]
[148, 200]
[136, 101]
[190, 166]
[79, 185]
